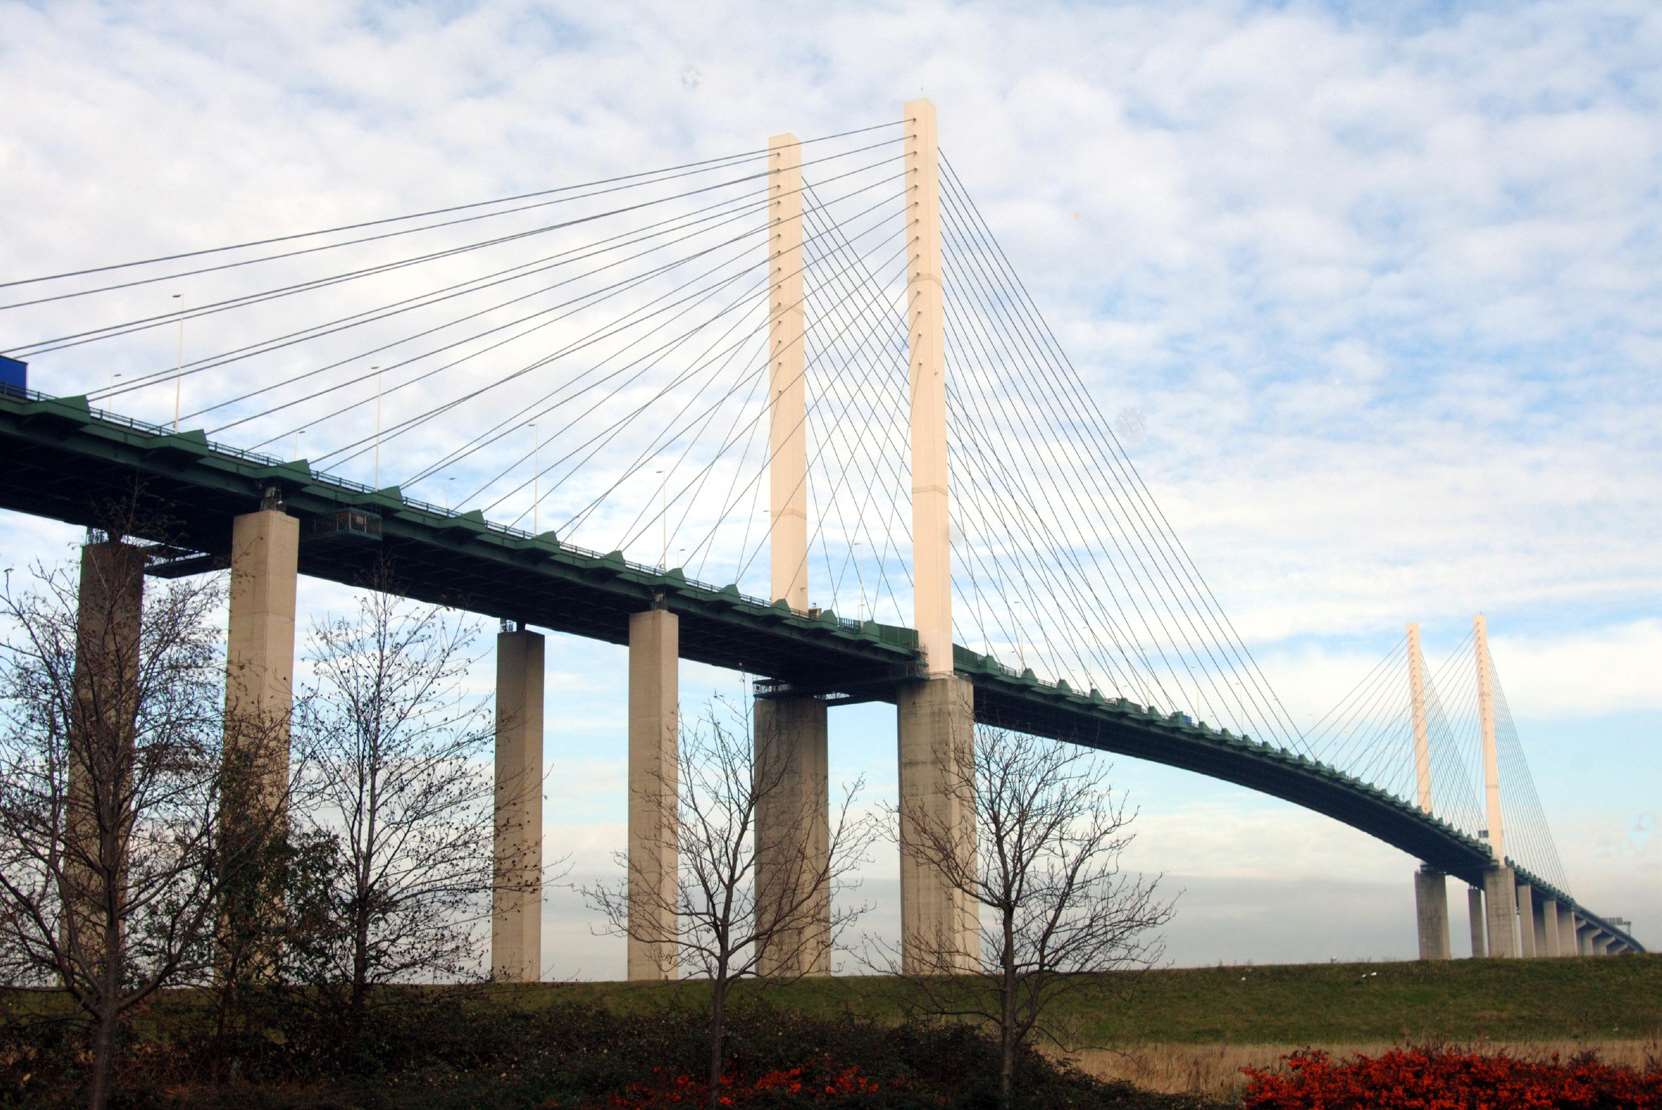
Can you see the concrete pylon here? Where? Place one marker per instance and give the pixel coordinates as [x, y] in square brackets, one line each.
[793, 814]
[936, 715]
[1430, 886]
[1431, 913]
[926, 339]
[1491, 757]
[102, 720]
[939, 924]
[259, 658]
[787, 381]
[1501, 911]
[793, 833]
[1416, 704]
[1474, 913]
[654, 664]
[516, 893]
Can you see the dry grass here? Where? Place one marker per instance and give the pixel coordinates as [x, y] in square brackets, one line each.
[1214, 1070]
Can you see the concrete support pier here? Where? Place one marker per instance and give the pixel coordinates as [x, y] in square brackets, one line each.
[1431, 913]
[793, 833]
[1544, 923]
[1474, 912]
[654, 658]
[1566, 931]
[1526, 921]
[516, 892]
[259, 655]
[1546, 940]
[939, 926]
[108, 622]
[1500, 912]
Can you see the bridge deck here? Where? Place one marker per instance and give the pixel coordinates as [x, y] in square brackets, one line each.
[62, 460]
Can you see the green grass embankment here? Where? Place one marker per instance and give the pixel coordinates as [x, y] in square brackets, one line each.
[1460, 1000]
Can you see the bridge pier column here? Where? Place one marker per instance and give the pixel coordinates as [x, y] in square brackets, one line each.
[793, 832]
[516, 891]
[654, 657]
[1546, 928]
[1500, 912]
[109, 612]
[1566, 931]
[1526, 921]
[259, 702]
[1474, 913]
[939, 926]
[1583, 937]
[1431, 913]
[259, 656]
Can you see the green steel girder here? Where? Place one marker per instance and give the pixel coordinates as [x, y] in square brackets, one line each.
[61, 460]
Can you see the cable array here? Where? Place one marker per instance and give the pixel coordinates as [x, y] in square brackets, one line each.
[1101, 590]
[1369, 734]
[588, 360]
[592, 360]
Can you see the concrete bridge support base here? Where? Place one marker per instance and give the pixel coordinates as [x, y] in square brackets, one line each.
[793, 832]
[1431, 913]
[654, 658]
[1474, 914]
[516, 892]
[1500, 912]
[259, 656]
[939, 927]
[1526, 921]
[1566, 931]
[1545, 911]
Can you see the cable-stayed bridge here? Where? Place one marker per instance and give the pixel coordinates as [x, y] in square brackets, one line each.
[790, 412]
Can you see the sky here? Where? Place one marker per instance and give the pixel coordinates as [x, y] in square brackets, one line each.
[1370, 296]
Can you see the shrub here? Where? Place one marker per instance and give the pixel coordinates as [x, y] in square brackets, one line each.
[1437, 1079]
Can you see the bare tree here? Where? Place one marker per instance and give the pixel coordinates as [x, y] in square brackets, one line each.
[391, 863]
[1042, 859]
[111, 782]
[719, 917]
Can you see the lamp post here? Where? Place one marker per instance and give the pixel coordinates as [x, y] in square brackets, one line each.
[178, 370]
[377, 482]
[663, 523]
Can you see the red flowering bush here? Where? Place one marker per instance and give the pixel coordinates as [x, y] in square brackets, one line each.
[1435, 1079]
[820, 1081]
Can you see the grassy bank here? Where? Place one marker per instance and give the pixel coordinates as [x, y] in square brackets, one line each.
[1165, 1039]
[1459, 1000]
